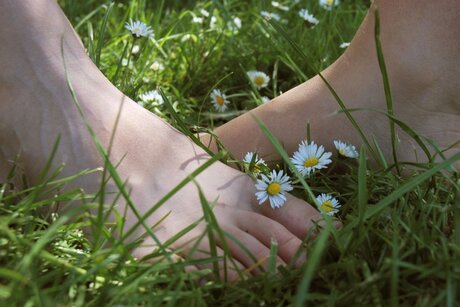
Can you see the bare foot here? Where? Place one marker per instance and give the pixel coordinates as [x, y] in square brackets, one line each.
[422, 50]
[36, 107]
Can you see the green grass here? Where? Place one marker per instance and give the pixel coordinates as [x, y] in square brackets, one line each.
[400, 243]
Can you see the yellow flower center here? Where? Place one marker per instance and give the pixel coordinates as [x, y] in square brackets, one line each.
[329, 2]
[342, 151]
[310, 162]
[327, 206]
[274, 188]
[259, 80]
[220, 100]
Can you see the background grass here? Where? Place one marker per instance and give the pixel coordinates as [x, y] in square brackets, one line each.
[400, 243]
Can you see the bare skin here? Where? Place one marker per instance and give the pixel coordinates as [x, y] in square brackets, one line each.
[421, 44]
[36, 107]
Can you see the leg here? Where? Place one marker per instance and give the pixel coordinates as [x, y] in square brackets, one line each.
[36, 107]
[421, 45]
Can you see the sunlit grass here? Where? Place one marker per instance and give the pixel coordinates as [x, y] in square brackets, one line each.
[399, 242]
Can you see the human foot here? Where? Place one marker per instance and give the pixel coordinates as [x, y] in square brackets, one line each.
[36, 107]
[421, 51]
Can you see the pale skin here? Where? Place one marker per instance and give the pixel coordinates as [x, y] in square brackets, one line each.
[36, 107]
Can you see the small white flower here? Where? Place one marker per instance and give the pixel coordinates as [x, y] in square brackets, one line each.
[268, 15]
[219, 100]
[346, 150]
[280, 6]
[308, 17]
[135, 49]
[213, 22]
[265, 14]
[234, 25]
[273, 188]
[265, 99]
[258, 78]
[188, 38]
[344, 45]
[157, 66]
[328, 4]
[197, 19]
[237, 22]
[204, 13]
[327, 204]
[310, 157]
[151, 96]
[139, 29]
[257, 162]
[124, 62]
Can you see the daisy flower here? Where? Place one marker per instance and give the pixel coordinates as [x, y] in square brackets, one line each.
[237, 22]
[157, 66]
[213, 22]
[328, 4]
[305, 15]
[269, 15]
[257, 162]
[258, 78]
[135, 49]
[344, 45]
[280, 6]
[139, 29]
[188, 38]
[273, 188]
[327, 204]
[346, 150]
[234, 25]
[310, 157]
[197, 19]
[219, 100]
[151, 96]
[204, 13]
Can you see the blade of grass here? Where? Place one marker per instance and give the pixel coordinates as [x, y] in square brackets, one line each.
[310, 267]
[386, 86]
[47, 236]
[102, 33]
[405, 127]
[215, 228]
[210, 225]
[362, 188]
[181, 125]
[272, 259]
[456, 207]
[88, 17]
[403, 189]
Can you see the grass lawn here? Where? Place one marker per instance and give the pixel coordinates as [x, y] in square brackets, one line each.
[400, 241]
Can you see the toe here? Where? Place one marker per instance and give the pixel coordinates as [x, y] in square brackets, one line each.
[267, 230]
[250, 251]
[296, 215]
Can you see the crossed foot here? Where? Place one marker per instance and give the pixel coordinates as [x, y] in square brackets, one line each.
[36, 107]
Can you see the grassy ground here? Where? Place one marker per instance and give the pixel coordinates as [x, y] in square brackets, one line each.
[400, 242]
